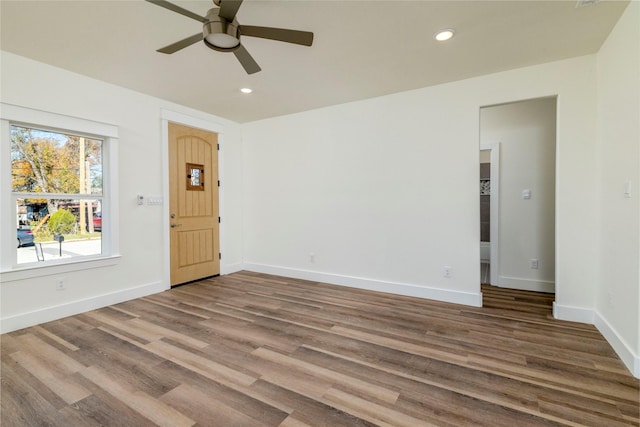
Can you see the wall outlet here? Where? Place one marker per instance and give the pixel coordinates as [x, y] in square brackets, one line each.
[446, 271]
[533, 264]
[60, 286]
[312, 258]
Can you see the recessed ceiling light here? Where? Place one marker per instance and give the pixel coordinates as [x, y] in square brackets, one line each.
[444, 35]
[246, 90]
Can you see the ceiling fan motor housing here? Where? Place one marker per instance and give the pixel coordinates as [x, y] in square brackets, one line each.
[220, 34]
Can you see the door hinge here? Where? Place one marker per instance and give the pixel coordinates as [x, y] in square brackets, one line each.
[219, 255]
[218, 183]
[219, 220]
[218, 147]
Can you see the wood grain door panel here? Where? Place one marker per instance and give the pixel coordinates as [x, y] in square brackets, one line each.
[193, 209]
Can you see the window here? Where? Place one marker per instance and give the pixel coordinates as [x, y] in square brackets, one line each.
[56, 183]
[56, 198]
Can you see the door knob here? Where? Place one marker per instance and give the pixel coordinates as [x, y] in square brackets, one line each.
[175, 225]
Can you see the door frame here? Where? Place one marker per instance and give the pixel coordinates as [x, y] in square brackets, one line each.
[494, 210]
[194, 122]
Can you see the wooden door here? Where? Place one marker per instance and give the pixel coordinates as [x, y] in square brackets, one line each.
[193, 204]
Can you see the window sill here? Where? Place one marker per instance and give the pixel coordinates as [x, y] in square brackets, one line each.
[34, 270]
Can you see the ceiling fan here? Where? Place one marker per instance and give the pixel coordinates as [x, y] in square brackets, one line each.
[221, 31]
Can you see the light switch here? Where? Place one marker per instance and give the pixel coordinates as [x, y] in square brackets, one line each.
[526, 194]
[154, 200]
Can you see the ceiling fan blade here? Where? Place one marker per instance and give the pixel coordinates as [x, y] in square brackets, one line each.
[229, 8]
[246, 60]
[174, 47]
[172, 7]
[304, 38]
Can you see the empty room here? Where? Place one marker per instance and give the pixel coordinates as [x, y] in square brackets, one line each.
[319, 213]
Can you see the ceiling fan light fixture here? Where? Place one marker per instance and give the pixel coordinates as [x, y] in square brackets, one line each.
[221, 35]
[444, 35]
[222, 40]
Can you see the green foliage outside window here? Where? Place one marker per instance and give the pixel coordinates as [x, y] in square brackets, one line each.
[62, 222]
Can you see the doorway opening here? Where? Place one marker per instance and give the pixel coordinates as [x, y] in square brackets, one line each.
[517, 194]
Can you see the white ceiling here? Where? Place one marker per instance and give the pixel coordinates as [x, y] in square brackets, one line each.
[361, 49]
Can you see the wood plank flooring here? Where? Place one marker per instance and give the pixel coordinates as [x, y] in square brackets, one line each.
[249, 349]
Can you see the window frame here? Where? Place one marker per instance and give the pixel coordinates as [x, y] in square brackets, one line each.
[43, 120]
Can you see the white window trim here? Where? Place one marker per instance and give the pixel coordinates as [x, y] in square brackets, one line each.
[9, 270]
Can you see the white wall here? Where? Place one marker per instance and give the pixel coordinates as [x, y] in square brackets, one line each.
[384, 192]
[143, 235]
[358, 185]
[618, 291]
[527, 132]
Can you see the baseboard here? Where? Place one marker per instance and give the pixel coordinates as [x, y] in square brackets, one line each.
[572, 314]
[626, 354]
[583, 315]
[465, 298]
[24, 320]
[527, 284]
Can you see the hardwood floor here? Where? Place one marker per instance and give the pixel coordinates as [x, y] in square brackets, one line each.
[249, 349]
